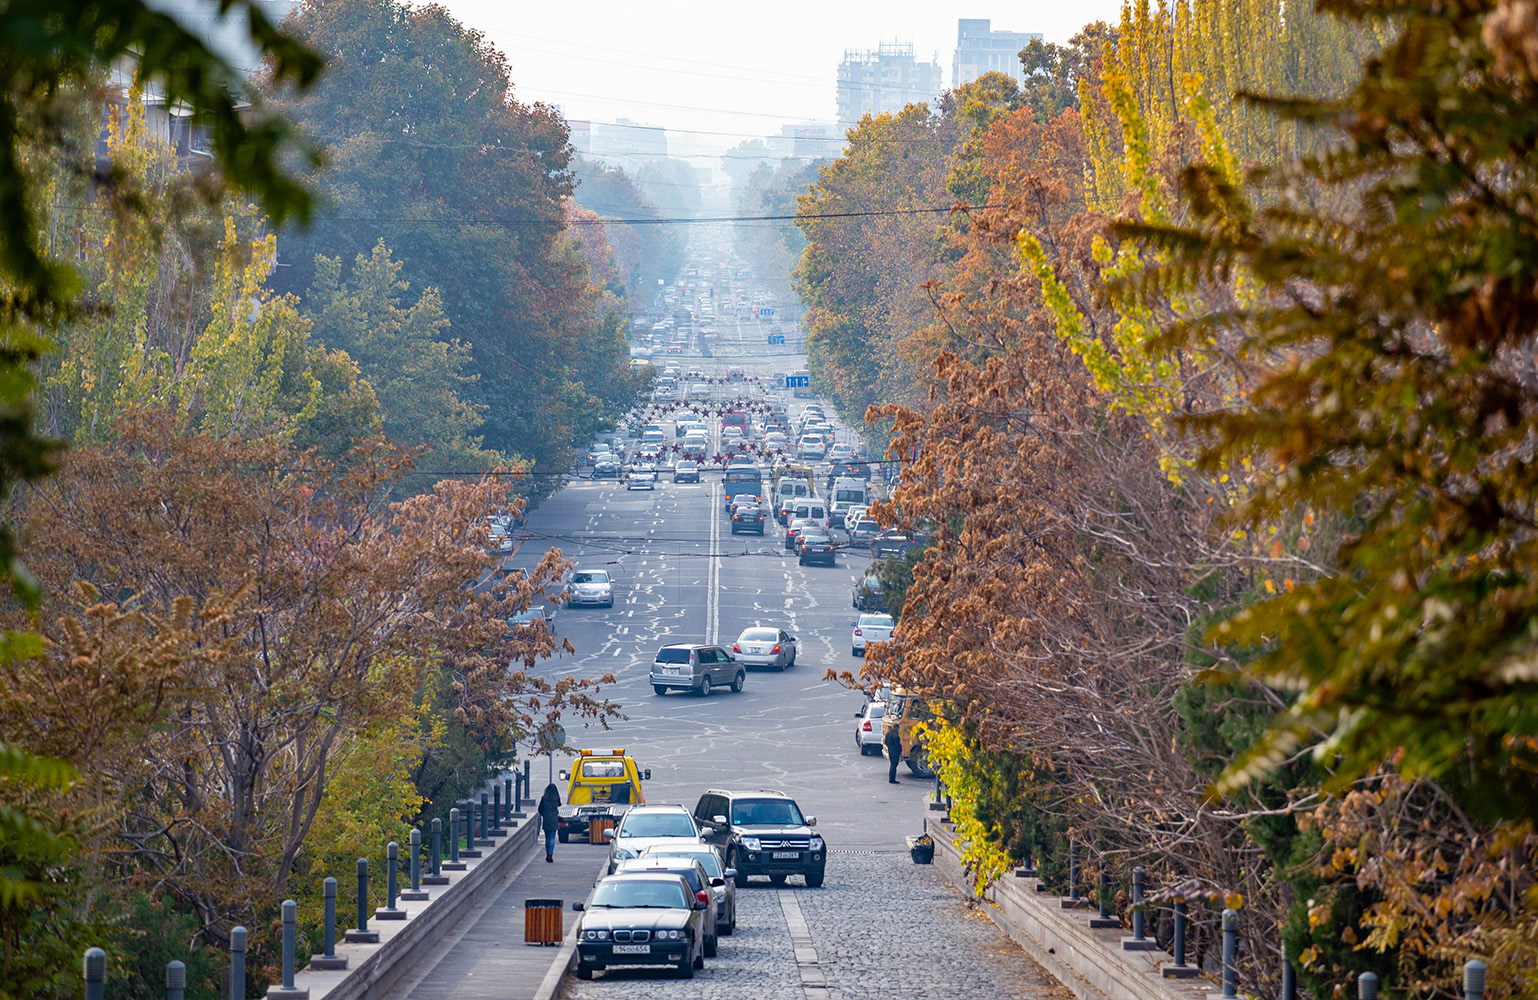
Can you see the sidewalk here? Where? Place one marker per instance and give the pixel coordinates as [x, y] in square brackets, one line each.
[484, 956]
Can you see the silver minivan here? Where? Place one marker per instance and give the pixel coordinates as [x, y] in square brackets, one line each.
[684, 667]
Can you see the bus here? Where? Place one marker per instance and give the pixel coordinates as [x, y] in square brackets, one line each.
[747, 479]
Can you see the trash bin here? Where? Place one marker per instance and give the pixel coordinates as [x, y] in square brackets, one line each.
[922, 850]
[543, 921]
[596, 827]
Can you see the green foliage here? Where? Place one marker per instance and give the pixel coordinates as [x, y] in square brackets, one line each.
[642, 253]
[151, 933]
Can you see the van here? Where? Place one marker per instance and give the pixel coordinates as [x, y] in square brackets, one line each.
[811, 509]
[652, 438]
[790, 490]
[854, 492]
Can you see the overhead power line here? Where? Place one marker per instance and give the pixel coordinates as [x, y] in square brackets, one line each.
[703, 220]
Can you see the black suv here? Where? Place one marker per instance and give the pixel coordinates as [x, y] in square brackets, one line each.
[763, 833]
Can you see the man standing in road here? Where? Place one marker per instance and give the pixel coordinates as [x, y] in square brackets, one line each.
[550, 818]
[894, 752]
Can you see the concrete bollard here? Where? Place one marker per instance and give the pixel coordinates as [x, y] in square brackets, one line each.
[362, 935]
[288, 990]
[507, 799]
[435, 874]
[415, 893]
[176, 980]
[470, 850]
[1367, 986]
[237, 963]
[328, 959]
[390, 911]
[1178, 969]
[1230, 954]
[95, 973]
[1473, 979]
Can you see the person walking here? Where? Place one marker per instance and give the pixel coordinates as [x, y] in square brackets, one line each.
[550, 818]
[894, 752]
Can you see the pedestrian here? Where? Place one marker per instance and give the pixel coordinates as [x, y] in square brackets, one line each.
[550, 818]
[894, 752]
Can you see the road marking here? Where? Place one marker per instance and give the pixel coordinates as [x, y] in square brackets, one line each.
[814, 982]
[712, 594]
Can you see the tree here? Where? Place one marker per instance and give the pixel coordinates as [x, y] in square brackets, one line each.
[642, 253]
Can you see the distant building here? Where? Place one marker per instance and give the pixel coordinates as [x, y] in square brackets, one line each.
[581, 135]
[886, 79]
[980, 50]
[629, 139]
[806, 141]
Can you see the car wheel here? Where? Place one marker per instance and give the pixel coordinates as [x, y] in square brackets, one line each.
[738, 681]
[777, 880]
[801, 560]
[918, 761]
[564, 836]
[705, 686]
[584, 972]
[814, 880]
[739, 879]
[792, 659]
[711, 946]
[686, 969]
[659, 689]
[855, 651]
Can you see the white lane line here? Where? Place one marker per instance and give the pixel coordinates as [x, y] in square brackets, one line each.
[713, 586]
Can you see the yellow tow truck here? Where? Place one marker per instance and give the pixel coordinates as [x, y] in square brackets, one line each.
[601, 785]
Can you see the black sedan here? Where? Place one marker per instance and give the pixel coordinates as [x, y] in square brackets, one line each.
[748, 519]
[686, 472]
[641, 919]
[815, 547]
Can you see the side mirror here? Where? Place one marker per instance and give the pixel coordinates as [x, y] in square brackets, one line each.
[646, 775]
[577, 907]
[811, 821]
[718, 820]
[707, 831]
[731, 873]
[859, 713]
[608, 834]
[699, 905]
[718, 881]
[565, 776]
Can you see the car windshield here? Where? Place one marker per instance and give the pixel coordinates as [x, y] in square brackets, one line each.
[591, 576]
[673, 866]
[644, 893]
[765, 812]
[603, 769]
[668, 824]
[875, 711]
[759, 635]
[708, 859]
[876, 621]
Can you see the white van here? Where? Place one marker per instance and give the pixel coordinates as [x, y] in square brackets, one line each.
[851, 491]
[811, 509]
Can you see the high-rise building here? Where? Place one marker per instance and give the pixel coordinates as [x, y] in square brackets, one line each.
[886, 79]
[980, 50]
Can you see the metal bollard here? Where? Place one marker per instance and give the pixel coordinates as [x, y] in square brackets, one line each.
[484, 835]
[507, 799]
[328, 958]
[176, 980]
[1073, 870]
[1473, 979]
[470, 851]
[1178, 969]
[290, 918]
[1105, 893]
[1289, 977]
[496, 807]
[1367, 986]
[528, 792]
[237, 963]
[416, 859]
[437, 844]
[95, 973]
[454, 835]
[390, 911]
[1137, 903]
[363, 894]
[1230, 953]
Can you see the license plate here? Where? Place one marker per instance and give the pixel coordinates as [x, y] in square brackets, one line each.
[632, 949]
[675, 671]
[786, 855]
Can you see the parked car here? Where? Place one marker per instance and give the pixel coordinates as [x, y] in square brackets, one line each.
[642, 477]
[686, 472]
[693, 873]
[643, 826]
[694, 668]
[721, 884]
[590, 587]
[748, 517]
[758, 646]
[871, 628]
[867, 728]
[642, 918]
[763, 834]
[815, 547]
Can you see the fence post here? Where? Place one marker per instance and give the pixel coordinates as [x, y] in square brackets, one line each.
[1138, 941]
[176, 980]
[362, 935]
[1367, 986]
[470, 850]
[416, 892]
[1230, 953]
[289, 991]
[237, 963]
[507, 799]
[1073, 875]
[95, 973]
[390, 911]
[1104, 920]
[435, 876]
[1289, 977]
[328, 958]
[1178, 969]
[1473, 979]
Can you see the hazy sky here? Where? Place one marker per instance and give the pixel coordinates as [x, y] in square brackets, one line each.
[727, 71]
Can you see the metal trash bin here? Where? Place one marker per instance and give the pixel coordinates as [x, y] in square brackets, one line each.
[596, 827]
[543, 921]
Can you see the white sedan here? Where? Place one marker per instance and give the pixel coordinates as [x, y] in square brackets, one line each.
[642, 477]
[758, 646]
[867, 727]
[869, 629]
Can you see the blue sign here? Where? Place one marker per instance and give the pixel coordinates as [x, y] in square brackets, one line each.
[796, 381]
[776, 338]
[765, 312]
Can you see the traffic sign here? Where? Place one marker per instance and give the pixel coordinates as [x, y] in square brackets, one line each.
[776, 338]
[797, 381]
[551, 738]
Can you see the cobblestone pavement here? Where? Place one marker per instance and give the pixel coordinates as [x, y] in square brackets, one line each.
[882, 928]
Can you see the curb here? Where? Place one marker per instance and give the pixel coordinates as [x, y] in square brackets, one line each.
[550, 986]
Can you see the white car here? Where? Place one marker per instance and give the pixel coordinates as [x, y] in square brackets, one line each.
[867, 728]
[590, 586]
[853, 517]
[642, 477]
[869, 629]
[758, 646]
[649, 826]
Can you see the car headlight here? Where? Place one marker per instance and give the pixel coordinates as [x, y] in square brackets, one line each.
[623, 854]
[752, 843]
[816, 843]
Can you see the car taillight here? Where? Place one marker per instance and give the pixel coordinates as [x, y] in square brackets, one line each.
[858, 632]
[866, 727]
[736, 650]
[776, 648]
[702, 896]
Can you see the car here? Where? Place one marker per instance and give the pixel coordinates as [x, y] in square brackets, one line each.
[686, 471]
[795, 528]
[602, 784]
[868, 595]
[747, 517]
[721, 884]
[867, 728]
[606, 468]
[590, 587]
[760, 646]
[838, 511]
[810, 447]
[598, 454]
[699, 883]
[643, 826]
[864, 530]
[675, 349]
[539, 614]
[742, 500]
[641, 918]
[731, 431]
[815, 547]
[642, 477]
[853, 515]
[498, 541]
[840, 453]
[891, 542]
[869, 628]
[694, 668]
[763, 833]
